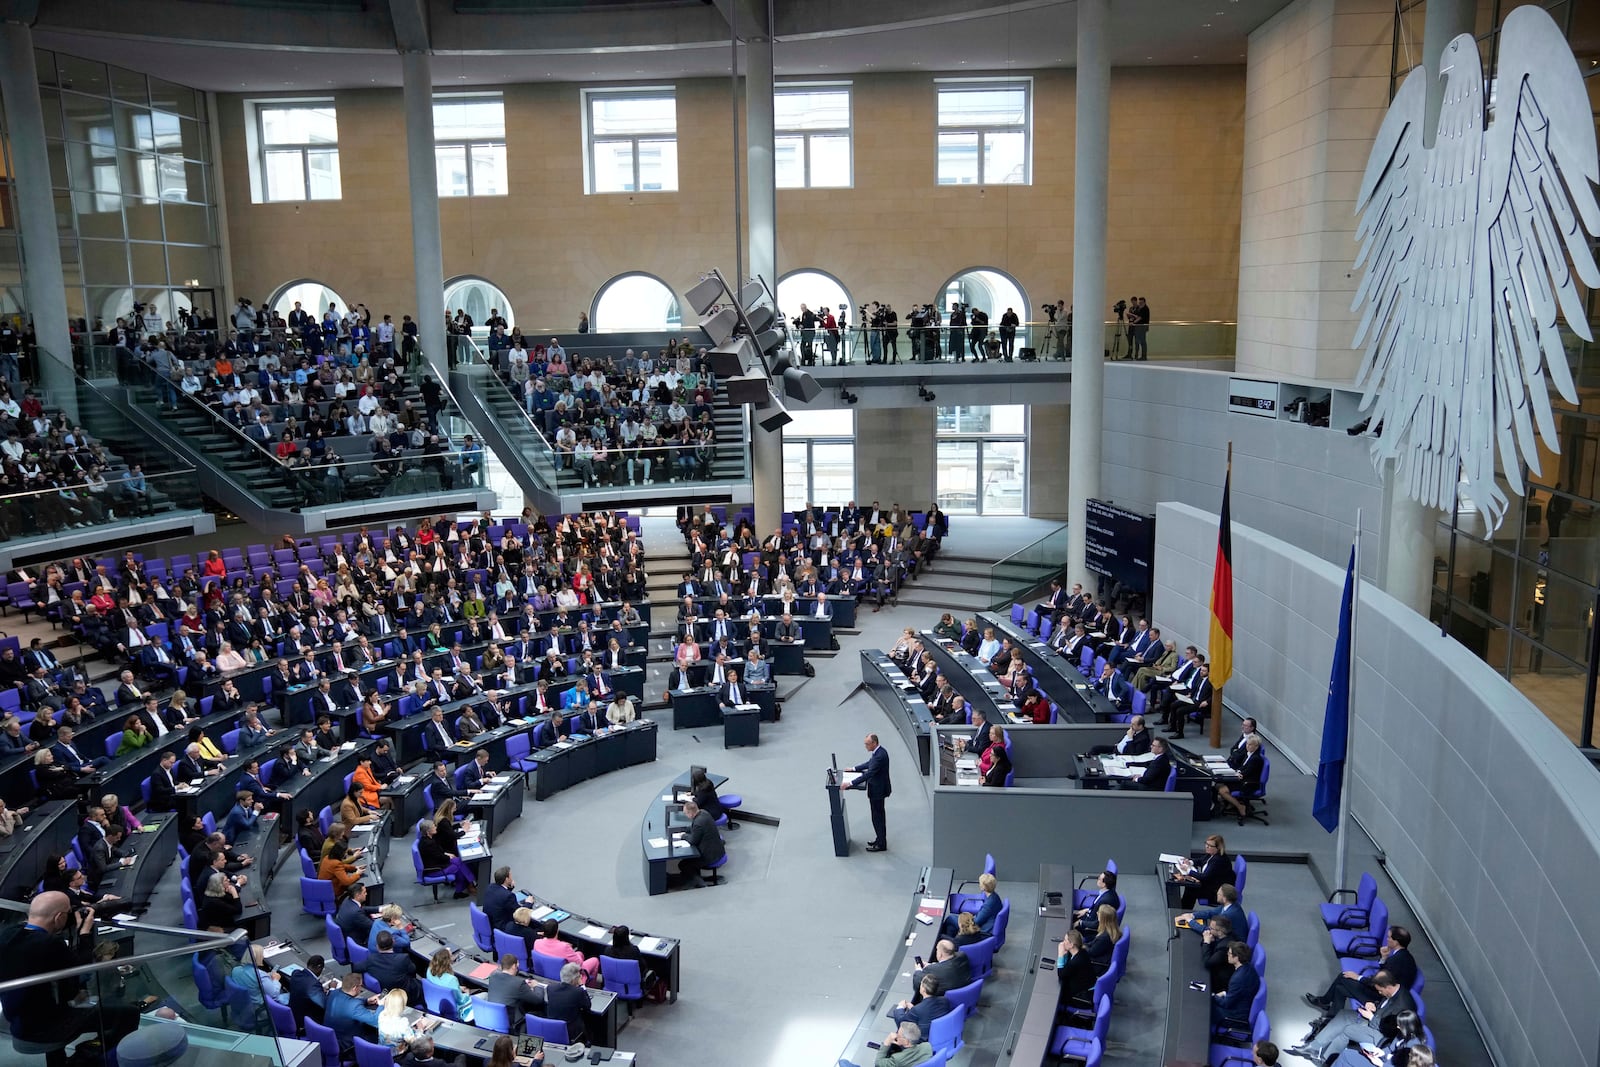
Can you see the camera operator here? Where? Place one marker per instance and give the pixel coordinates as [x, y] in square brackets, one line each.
[915, 326]
[977, 330]
[1138, 328]
[1062, 320]
[930, 339]
[1008, 333]
[52, 1012]
[1120, 330]
[891, 333]
[244, 318]
[806, 321]
[958, 324]
[872, 319]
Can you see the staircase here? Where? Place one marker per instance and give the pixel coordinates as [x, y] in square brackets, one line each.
[243, 464]
[496, 410]
[958, 584]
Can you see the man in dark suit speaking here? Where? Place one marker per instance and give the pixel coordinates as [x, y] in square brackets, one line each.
[874, 778]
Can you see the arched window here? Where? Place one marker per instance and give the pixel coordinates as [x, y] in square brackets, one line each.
[816, 290]
[479, 298]
[313, 297]
[984, 287]
[635, 302]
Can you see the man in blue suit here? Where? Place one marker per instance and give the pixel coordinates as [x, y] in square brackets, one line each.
[351, 1011]
[1232, 1005]
[307, 998]
[69, 756]
[500, 900]
[874, 778]
[353, 918]
[1227, 907]
[932, 1005]
[241, 817]
[476, 773]
[1085, 916]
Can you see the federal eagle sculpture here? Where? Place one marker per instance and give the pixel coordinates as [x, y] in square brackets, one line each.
[1466, 247]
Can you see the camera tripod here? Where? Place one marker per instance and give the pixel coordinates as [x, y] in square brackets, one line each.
[1116, 339]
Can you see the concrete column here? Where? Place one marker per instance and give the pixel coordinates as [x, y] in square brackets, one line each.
[427, 249]
[766, 448]
[1405, 562]
[1090, 170]
[42, 282]
[1405, 569]
[1443, 21]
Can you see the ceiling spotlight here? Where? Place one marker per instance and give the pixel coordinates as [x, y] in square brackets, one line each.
[922, 393]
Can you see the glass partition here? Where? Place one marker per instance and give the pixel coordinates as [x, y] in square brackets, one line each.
[1027, 568]
[134, 976]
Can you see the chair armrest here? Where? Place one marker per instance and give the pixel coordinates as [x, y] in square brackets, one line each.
[1340, 893]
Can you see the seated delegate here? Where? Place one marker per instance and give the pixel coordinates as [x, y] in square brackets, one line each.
[984, 917]
[1206, 875]
[1251, 768]
[995, 764]
[1135, 742]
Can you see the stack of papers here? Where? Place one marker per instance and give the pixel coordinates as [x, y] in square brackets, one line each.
[658, 842]
[1117, 767]
[932, 907]
[347, 746]
[652, 944]
[543, 911]
[594, 933]
[405, 779]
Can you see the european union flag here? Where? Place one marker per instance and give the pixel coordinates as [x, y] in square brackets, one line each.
[1336, 718]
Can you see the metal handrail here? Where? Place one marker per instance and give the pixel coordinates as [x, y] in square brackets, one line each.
[267, 453]
[482, 358]
[207, 941]
[1002, 561]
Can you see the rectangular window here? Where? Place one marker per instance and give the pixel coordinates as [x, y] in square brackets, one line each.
[981, 459]
[469, 145]
[985, 133]
[631, 140]
[819, 463]
[812, 124]
[299, 150]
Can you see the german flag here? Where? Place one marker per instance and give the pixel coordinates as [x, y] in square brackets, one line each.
[1221, 648]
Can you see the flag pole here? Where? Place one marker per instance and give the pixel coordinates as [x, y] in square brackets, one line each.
[1350, 704]
[1216, 690]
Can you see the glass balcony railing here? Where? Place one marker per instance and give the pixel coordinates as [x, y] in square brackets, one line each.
[112, 475]
[139, 977]
[1027, 568]
[1047, 341]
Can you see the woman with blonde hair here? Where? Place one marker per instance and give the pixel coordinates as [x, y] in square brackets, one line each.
[967, 932]
[393, 1026]
[1108, 932]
